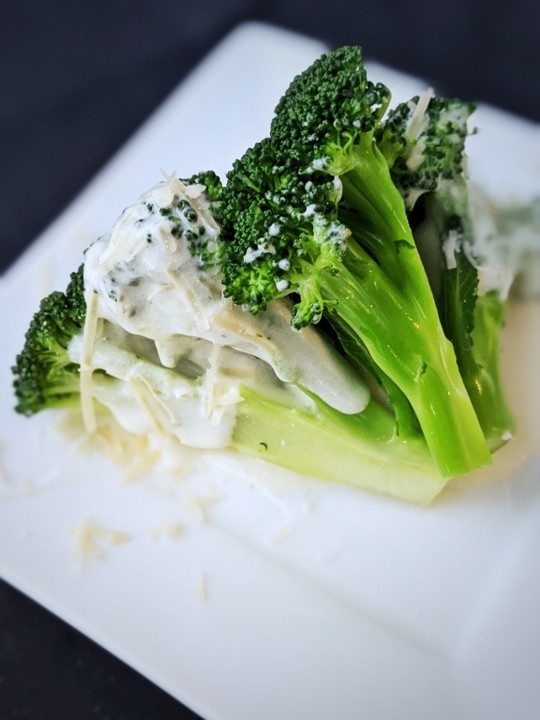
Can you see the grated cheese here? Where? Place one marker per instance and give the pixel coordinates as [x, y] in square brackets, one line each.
[202, 593]
[210, 380]
[280, 534]
[450, 247]
[89, 340]
[418, 119]
[148, 401]
[165, 193]
[89, 536]
[168, 529]
[195, 508]
[197, 505]
[112, 441]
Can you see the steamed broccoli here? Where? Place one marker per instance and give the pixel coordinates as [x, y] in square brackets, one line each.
[362, 450]
[423, 141]
[312, 211]
[256, 315]
[45, 376]
[173, 358]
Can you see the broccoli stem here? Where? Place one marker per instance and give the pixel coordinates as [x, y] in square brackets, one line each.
[412, 350]
[406, 422]
[373, 209]
[361, 450]
[485, 385]
[478, 354]
[386, 300]
[471, 321]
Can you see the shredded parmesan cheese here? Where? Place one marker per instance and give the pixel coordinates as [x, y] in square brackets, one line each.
[197, 505]
[89, 340]
[280, 534]
[202, 593]
[172, 187]
[148, 401]
[210, 380]
[140, 464]
[418, 119]
[89, 537]
[167, 529]
[111, 440]
[196, 509]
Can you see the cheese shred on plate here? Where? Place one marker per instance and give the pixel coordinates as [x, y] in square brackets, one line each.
[89, 341]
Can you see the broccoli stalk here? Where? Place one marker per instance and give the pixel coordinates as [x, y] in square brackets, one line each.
[424, 144]
[361, 450]
[44, 375]
[280, 423]
[312, 210]
[478, 353]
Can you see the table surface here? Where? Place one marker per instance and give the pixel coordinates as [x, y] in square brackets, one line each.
[76, 81]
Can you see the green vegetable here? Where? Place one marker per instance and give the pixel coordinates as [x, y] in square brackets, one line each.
[424, 144]
[312, 210]
[358, 219]
[279, 421]
[44, 375]
[362, 450]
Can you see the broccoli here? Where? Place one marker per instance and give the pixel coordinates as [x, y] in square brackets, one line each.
[293, 314]
[255, 414]
[44, 375]
[362, 449]
[173, 358]
[424, 144]
[312, 211]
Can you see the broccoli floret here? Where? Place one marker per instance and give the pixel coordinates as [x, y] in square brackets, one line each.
[424, 143]
[210, 180]
[312, 211]
[44, 376]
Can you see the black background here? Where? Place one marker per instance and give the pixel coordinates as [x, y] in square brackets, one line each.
[75, 80]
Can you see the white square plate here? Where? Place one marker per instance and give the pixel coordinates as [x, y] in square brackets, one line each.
[246, 591]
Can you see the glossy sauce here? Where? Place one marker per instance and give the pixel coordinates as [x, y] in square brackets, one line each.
[147, 275]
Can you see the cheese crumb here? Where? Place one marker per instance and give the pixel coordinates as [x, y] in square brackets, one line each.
[89, 340]
[89, 537]
[168, 529]
[202, 592]
[280, 534]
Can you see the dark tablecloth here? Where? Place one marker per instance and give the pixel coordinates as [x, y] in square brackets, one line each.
[75, 80]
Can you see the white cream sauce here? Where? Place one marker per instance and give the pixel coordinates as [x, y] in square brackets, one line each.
[195, 401]
[151, 286]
